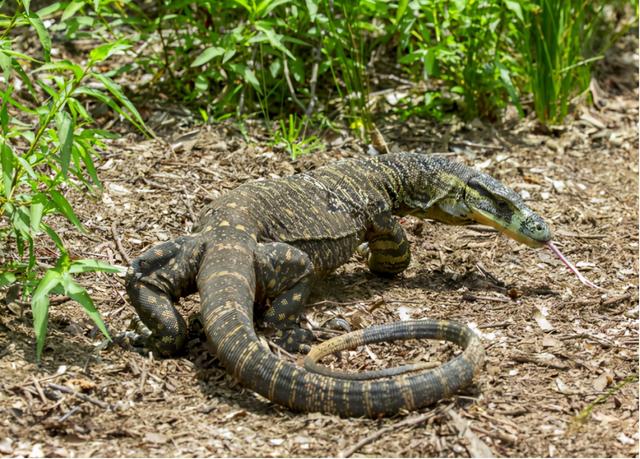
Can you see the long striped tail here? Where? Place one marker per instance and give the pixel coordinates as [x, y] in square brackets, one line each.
[227, 281]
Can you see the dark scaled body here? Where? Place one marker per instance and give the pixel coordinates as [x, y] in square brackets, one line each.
[268, 241]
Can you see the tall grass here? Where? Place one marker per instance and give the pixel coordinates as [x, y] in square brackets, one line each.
[555, 36]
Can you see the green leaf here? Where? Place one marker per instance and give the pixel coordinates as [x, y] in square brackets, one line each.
[245, 5]
[6, 157]
[511, 90]
[71, 9]
[207, 55]
[26, 4]
[274, 39]
[40, 307]
[228, 54]
[79, 294]
[35, 212]
[61, 66]
[27, 167]
[133, 116]
[65, 209]
[105, 51]
[247, 74]
[266, 6]
[312, 6]
[402, 7]
[5, 66]
[43, 35]
[515, 8]
[86, 266]
[50, 9]
[54, 237]
[6, 278]
[4, 114]
[65, 137]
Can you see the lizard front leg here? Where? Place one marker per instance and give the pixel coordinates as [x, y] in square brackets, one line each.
[284, 275]
[155, 281]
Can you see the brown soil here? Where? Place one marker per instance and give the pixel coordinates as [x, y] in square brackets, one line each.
[555, 348]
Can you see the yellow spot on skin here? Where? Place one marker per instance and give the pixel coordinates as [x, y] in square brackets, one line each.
[240, 227]
[271, 283]
[282, 236]
[223, 223]
[281, 316]
[232, 205]
[208, 228]
[297, 297]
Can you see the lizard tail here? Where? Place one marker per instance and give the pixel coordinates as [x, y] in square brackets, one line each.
[227, 282]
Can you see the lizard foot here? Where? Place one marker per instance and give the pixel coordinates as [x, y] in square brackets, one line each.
[295, 339]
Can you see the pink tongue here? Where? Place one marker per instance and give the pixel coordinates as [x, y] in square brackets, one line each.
[568, 264]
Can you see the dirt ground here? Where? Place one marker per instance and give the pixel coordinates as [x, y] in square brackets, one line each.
[562, 359]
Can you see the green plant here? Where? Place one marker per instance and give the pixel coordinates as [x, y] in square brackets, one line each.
[48, 146]
[554, 36]
[292, 136]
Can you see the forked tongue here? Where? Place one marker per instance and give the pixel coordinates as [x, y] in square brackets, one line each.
[572, 268]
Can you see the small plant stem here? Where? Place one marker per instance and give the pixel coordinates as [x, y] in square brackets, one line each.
[43, 126]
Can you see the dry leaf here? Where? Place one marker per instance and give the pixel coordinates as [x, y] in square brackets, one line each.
[154, 437]
[550, 341]
[602, 381]
[562, 387]
[542, 321]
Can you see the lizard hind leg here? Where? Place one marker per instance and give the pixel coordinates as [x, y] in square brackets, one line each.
[387, 249]
[284, 275]
[155, 281]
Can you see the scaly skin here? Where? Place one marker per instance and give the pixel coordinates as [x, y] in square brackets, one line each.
[268, 241]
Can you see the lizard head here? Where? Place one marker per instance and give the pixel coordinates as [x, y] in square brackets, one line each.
[479, 198]
[455, 194]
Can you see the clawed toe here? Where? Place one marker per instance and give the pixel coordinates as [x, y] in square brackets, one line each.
[295, 340]
[338, 324]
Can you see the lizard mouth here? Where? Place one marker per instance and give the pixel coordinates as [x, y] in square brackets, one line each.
[512, 231]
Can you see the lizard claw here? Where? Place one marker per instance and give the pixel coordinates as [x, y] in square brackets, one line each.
[337, 323]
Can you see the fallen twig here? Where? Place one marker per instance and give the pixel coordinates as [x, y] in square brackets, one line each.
[604, 343]
[379, 433]
[504, 436]
[86, 398]
[69, 413]
[615, 300]
[537, 360]
[116, 239]
[476, 145]
[470, 297]
[496, 325]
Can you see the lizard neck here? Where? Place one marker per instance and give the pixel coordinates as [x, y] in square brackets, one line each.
[415, 182]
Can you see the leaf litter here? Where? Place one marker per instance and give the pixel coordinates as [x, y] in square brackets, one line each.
[84, 400]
